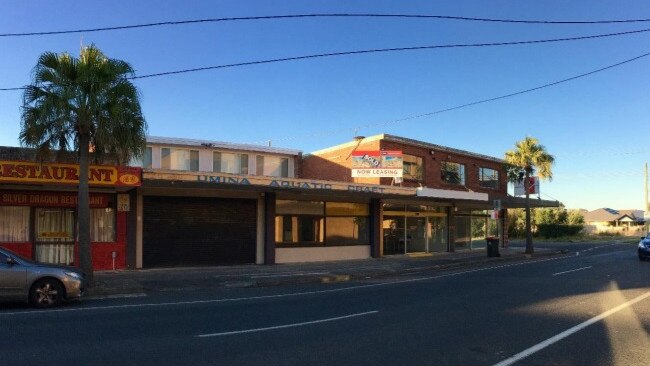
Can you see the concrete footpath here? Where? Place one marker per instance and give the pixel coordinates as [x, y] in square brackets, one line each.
[149, 281]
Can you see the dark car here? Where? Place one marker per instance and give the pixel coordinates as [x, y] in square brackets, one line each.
[42, 285]
[644, 248]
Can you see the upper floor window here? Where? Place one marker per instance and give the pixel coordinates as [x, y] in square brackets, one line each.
[412, 167]
[147, 161]
[223, 162]
[179, 159]
[488, 178]
[273, 166]
[453, 173]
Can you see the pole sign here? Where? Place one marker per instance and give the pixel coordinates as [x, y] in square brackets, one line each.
[377, 164]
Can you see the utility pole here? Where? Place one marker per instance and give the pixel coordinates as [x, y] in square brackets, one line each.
[646, 206]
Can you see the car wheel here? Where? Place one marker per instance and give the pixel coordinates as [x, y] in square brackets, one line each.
[46, 293]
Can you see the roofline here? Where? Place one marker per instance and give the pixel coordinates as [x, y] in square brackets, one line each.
[412, 142]
[176, 141]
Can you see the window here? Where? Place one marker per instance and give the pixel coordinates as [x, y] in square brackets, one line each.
[14, 224]
[102, 225]
[223, 162]
[322, 223]
[147, 160]
[179, 159]
[299, 222]
[273, 166]
[347, 223]
[453, 173]
[55, 235]
[412, 167]
[488, 178]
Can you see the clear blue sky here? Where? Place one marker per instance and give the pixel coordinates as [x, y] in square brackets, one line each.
[597, 127]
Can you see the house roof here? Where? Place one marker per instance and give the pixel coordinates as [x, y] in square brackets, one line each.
[609, 214]
[175, 141]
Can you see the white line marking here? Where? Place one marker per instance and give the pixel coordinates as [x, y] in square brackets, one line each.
[118, 296]
[573, 270]
[264, 297]
[287, 325]
[538, 347]
[292, 274]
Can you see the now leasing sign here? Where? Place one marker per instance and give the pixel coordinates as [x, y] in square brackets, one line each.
[54, 173]
[377, 164]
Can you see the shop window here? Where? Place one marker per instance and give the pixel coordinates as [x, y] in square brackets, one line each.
[232, 163]
[272, 166]
[347, 223]
[412, 167]
[14, 224]
[303, 229]
[55, 235]
[488, 178]
[179, 159]
[102, 225]
[453, 173]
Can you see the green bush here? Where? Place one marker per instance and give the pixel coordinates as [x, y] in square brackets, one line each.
[558, 230]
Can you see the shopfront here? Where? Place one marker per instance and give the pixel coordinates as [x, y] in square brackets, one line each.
[408, 228]
[38, 212]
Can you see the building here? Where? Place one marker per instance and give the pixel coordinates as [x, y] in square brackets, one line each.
[38, 203]
[202, 202]
[617, 222]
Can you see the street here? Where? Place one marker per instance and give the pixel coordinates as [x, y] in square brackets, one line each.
[587, 308]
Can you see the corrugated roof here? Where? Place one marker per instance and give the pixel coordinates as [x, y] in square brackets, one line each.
[219, 145]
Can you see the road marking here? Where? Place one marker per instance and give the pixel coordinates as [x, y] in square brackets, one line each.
[292, 274]
[540, 346]
[573, 270]
[286, 325]
[265, 297]
[118, 296]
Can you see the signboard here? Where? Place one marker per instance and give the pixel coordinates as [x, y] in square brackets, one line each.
[533, 186]
[55, 173]
[377, 164]
[123, 203]
[47, 199]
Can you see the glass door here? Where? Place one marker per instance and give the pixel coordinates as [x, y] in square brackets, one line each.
[438, 234]
[416, 234]
[55, 235]
[393, 231]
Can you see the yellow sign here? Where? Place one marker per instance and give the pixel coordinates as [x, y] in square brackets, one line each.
[28, 172]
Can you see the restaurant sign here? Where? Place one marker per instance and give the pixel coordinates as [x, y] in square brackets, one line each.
[50, 199]
[377, 164]
[55, 173]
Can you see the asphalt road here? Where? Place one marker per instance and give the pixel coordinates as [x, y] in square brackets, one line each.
[586, 309]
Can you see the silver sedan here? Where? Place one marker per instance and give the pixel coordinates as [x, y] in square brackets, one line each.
[40, 284]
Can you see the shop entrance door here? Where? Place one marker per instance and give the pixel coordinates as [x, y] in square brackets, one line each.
[416, 234]
[438, 234]
[55, 237]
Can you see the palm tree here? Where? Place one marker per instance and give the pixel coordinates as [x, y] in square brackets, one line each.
[83, 103]
[527, 158]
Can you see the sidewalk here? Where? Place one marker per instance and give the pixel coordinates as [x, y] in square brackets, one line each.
[148, 281]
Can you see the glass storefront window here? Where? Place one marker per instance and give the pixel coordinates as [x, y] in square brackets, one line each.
[299, 229]
[299, 207]
[55, 235]
[102, 225]
[347, 231]
[14, 224]
[347, 209]
[393, 228]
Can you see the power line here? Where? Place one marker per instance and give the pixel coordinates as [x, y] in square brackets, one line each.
[326, 15]
[377, 50]
[482, 101]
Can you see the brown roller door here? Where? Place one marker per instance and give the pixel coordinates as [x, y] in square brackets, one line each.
[198, 231]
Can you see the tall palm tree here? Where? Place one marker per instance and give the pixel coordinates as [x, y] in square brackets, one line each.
[527, 158]
[82, 104]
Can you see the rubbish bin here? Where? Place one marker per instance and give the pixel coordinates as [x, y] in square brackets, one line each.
[492, 246]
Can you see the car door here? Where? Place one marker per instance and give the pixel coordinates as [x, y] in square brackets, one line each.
[13, 279]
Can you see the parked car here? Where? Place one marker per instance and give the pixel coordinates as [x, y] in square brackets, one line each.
[644, 247]
[42, 285]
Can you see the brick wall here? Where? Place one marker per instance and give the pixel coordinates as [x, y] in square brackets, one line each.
[336, 164]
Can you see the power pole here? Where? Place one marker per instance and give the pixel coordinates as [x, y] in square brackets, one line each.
[646, 206]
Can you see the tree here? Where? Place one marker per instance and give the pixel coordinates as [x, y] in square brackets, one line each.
[524, 161]
[86, 103]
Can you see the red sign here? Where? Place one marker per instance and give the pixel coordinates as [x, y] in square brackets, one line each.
[98, 175]
[50, 199]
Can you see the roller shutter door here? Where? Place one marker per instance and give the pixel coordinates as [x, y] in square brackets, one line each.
[198, 231]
